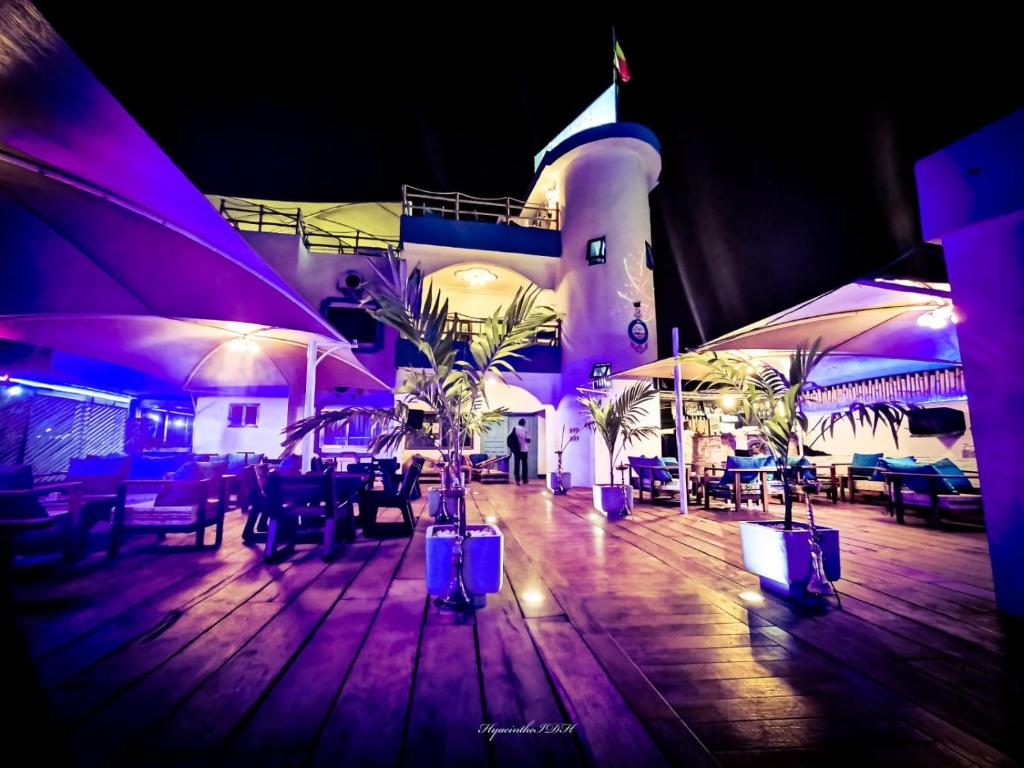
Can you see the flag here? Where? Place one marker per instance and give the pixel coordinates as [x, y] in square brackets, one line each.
[619, 62]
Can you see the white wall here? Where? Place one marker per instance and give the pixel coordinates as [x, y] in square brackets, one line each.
[845, 442]
[211, 433]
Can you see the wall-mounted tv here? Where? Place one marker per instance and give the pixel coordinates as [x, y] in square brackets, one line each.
[936, 421]
[597, 251]
[354, 323]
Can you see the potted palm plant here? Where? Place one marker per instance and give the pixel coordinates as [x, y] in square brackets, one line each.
[560, 481]
[452, 385]
[787, 555]
[618, 420]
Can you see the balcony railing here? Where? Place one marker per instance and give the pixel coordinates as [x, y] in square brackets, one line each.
[256, 217]
[466, 328]
[491, 210]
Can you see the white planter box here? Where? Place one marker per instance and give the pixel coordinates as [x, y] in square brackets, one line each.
[553, 481]
[483, 563]
[613, 500]
[783, 558]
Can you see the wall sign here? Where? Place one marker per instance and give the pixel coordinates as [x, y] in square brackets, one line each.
[637, 330]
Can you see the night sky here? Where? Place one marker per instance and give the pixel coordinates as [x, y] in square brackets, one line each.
[788, 148]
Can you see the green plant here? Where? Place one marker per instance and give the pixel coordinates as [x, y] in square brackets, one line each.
[451, 385]
[620, 418]
[773, 403]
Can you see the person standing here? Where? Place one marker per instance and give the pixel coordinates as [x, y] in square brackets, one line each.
[521, 451]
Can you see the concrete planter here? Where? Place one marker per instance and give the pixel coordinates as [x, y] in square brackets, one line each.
[553, 481]
[483, 567]
[783, 558]
[613, 500]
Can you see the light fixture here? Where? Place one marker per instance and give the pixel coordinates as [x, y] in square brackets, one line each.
[491, 518]
[938, 318]
[179, 422]
[243, 344]
[153, 416]
[15, 390]
[728, 402]
[594, 517]
[476, 276]
[751, 597]
[533, 597]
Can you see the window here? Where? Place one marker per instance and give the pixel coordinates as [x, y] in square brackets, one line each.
[243, 415]
[650, 256]
[354, 323]
[597, 251]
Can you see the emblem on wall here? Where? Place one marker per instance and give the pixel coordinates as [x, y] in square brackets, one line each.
[637, 330]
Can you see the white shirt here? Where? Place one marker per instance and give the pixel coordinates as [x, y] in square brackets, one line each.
[523, 436]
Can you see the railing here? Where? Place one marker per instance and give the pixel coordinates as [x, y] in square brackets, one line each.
[256, 217]
[466, 328]
[914, 388]
[491, 210]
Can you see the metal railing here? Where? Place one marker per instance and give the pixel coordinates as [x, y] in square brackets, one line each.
[492, 210]
[256, 217]
[467, 327]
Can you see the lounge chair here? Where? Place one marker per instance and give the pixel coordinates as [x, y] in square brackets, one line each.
[654, 476]
[30, 515]
[940, 490]
[489, 469]
[165, 506]
[736, 486]
[257, 503]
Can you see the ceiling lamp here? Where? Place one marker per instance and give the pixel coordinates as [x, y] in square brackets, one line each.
[476, 276]
[243, 344]
[938, 318]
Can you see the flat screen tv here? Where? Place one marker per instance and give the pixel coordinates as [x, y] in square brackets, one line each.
[354, 323]
[936, 421]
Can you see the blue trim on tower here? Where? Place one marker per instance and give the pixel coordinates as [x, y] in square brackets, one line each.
[597, 133]
[476, 235]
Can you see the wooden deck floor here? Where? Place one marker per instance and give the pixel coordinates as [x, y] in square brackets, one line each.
[634, 631]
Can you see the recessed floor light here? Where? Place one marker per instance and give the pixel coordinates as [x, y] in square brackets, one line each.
[752, 597]
[492, 519]
[532, 596]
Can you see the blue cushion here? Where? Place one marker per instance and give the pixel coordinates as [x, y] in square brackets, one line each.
[175, 496]
[15, 477]
[290, 465]
[893, 464]
[807, 475]
[922, 484]
[864, 460]
[958, 484]
[743, 462]
[662, 475]
[476, 458]
[145, 467]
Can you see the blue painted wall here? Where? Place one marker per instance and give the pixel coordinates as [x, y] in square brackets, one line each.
[431, 230]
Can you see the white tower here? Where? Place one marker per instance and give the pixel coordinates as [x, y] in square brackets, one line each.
[603, 177]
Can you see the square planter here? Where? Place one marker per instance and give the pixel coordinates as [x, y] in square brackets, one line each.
[783, 558]
[483, 567]
[553, 478]
[615, 501]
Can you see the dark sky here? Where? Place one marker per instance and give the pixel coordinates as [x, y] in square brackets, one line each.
[788, 147]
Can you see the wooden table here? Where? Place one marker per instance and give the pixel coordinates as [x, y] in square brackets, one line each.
[738, 485]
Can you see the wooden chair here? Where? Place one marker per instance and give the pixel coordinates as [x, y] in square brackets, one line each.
[26, 512]
[257, 503]
[294, 502]
[371, 502]
[653, 476]
[178, 506]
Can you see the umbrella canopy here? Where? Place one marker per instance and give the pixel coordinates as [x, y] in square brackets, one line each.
[194, 354]
[874, 328]
[96, 218]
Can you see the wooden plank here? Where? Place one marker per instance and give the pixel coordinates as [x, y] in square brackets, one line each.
[611, 733]
[366, 725]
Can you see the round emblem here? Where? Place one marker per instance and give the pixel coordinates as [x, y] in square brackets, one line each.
[638, 333]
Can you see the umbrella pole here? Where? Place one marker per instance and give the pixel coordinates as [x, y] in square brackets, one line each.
[684, 490]
[309, 404]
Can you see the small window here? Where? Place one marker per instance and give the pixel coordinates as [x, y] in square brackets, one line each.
[597, 251]
[244, 415]
[650, 256]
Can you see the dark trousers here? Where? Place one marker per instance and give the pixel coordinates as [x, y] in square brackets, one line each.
[520, 465]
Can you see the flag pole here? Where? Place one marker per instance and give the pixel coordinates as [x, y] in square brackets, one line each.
[615, 74]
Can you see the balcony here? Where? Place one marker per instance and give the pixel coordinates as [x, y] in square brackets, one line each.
[502, 224]
[543, 356]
